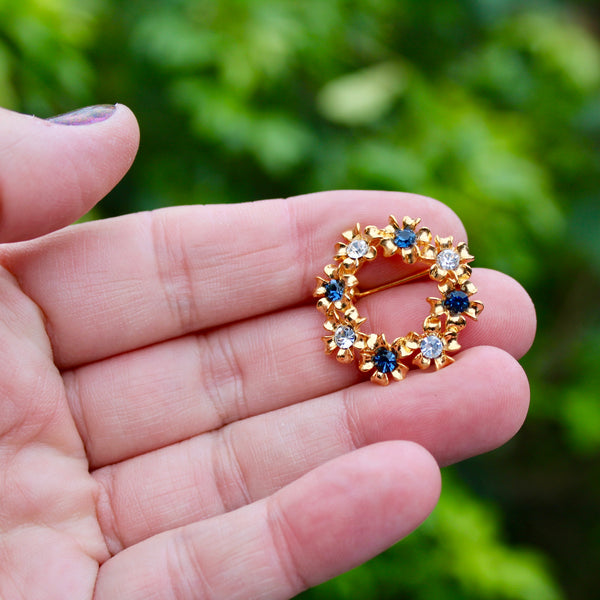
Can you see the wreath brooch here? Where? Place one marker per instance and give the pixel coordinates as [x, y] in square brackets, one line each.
[447, 264]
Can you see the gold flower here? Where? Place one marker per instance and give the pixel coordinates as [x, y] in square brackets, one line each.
[384, 357]
[359, 248]
[345, 334]
[450, 262]
[404, 238]
[456, 303]
[435, 343]
[338, 290]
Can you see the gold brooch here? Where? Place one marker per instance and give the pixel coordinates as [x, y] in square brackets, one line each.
[447, 264]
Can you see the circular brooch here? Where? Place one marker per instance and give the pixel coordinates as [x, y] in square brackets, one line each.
[447, 264]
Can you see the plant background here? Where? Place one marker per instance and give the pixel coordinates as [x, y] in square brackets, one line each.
[492, 106]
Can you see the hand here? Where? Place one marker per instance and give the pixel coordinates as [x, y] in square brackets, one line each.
[170, 426]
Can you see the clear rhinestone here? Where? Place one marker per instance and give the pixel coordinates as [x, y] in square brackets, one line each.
[448, 260]
[357, 248]
[344, 337]
[431, 346]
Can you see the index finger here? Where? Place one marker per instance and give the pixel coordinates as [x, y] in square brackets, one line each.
[116, 285]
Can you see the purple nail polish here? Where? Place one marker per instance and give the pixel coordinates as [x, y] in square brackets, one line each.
[85, 116]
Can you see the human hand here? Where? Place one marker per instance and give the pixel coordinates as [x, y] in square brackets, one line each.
[171, 428]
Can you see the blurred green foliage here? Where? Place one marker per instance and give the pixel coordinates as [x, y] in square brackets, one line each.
[492, 106]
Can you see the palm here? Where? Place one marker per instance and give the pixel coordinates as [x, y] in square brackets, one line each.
[51, 542]
[172, 428]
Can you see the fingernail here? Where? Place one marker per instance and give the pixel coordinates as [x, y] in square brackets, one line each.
[85, 116]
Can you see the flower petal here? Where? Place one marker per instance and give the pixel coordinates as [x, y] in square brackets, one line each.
[388, 246]
[445, 287]
[427, 252]
[351, 315]
[463, 252]
[444, 242]
[432, 325]
[371, 253]
[380, 378]
[394, 223]
[424, 236]
[452, 345]
[421, 362]
[437, 306]
[345, 355]
[342, 303]
[410, 255]
[330, 345]
[474, 310]
[323, 305]
[373, 233]
[330, 270]
[330, 325]
[410, 223]
[442, 361]
[462, 273]
[437, 273]
[366, 364]
[409, 343]
[372, 341]
[399, 373]
[350, 280]
[320, 291]
[468, 287]
[361, 342]
[349, 264]
[457, 321]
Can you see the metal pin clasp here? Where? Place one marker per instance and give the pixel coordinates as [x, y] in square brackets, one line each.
[387, 286]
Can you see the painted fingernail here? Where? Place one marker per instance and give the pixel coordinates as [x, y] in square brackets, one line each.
[85, 116]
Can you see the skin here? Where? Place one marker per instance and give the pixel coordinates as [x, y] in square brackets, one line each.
[170, 426]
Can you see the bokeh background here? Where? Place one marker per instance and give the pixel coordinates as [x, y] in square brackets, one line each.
[492, 106]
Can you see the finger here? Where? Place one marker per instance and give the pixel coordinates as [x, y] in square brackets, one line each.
[331, 520]
[162, 394]
[472, 407]
[113, 286]
[51, 173]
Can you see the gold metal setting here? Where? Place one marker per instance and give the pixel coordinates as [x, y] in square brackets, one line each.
[446, 263]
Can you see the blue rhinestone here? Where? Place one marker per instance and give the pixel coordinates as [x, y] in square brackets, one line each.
[405, 238]
[334, 290]
[385, 360]
[456, 302]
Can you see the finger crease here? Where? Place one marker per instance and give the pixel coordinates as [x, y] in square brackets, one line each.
[230, 480]
[174, 270]
[224, 386]
[355, 431]
[282, 536]
[106, 513]
[185, 571]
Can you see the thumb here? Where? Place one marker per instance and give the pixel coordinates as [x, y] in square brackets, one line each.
[53, 171]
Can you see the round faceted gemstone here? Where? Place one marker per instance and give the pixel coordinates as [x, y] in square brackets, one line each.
[385, 360]
[357, 248]
[448, 260]
[405, 238]
[431, 346]
[344, 336]
[456, 302]
[334, 290]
